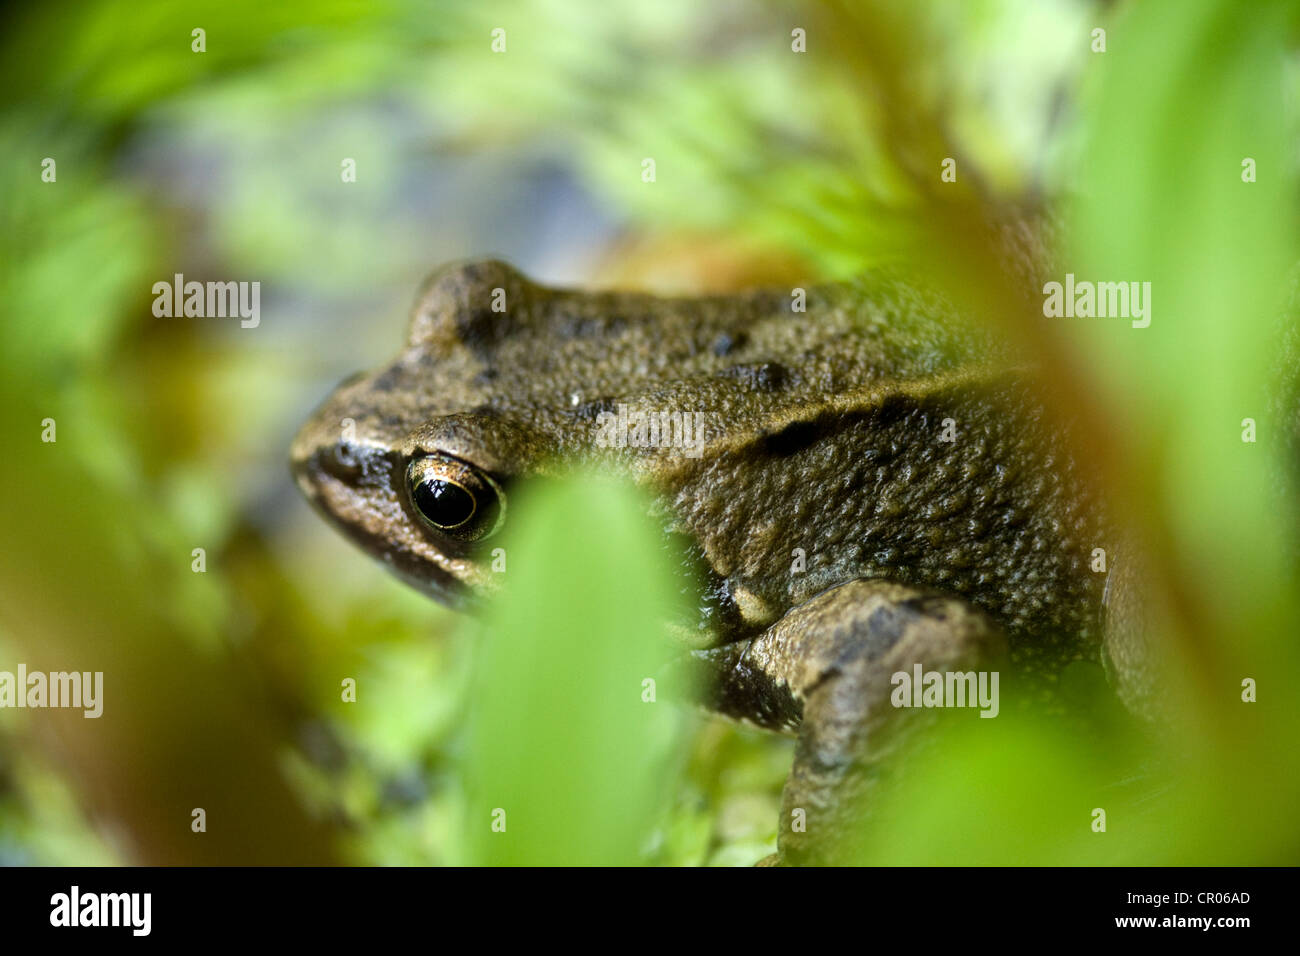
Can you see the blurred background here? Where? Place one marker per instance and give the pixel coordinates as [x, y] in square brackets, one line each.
[793, 142]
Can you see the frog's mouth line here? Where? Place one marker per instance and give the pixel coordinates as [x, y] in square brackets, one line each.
[440, 586]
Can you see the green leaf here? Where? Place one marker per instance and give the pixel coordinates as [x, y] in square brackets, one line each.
[565, 750]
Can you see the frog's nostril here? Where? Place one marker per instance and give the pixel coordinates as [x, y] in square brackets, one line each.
[342, 462]
[346, 462]
[355, 463]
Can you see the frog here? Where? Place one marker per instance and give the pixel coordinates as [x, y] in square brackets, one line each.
[878, 488]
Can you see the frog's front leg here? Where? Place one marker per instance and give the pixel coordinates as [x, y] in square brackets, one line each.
[827, 667]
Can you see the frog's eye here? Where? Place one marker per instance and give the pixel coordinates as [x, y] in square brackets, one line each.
[454, 498]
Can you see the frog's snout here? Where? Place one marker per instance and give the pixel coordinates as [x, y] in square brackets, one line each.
[352, 484]
[347, 463]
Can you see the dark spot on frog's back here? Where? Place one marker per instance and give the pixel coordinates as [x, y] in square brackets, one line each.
[792, 439]
[728, 342]
[894, 409]
[763, 377]
[481, 329]
[590, 411]
[390, 379]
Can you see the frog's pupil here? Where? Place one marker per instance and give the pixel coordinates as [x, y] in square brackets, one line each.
[444, 503]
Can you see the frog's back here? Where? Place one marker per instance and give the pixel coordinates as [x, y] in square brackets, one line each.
[875, 437]
[741, 360]
[852, 430]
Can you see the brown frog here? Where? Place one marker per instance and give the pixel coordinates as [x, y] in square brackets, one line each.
[875, 487]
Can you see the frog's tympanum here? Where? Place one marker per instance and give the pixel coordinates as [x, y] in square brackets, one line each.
[874, 489]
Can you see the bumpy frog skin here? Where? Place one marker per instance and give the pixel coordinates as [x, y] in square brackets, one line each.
[941, 517]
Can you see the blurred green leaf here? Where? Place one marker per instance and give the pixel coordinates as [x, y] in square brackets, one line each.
[573, 738]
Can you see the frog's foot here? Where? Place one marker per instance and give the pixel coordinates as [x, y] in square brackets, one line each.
[835, 658]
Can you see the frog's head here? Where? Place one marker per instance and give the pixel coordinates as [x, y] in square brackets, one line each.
[413, 461]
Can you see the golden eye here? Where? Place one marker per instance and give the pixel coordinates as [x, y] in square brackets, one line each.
[454, 498]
